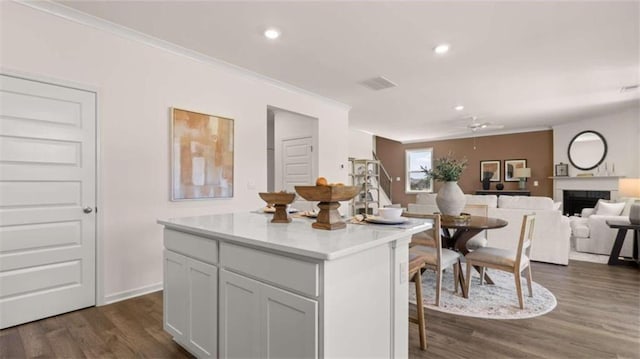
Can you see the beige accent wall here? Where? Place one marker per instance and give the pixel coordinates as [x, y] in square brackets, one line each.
[535, 147]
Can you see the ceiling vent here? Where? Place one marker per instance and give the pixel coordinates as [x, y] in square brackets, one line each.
[378, 83]
[629, 88]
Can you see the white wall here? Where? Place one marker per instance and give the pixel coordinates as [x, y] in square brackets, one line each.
[288, 125]
[621, 130]
[271, 162]
[137, 84]
[360, 144]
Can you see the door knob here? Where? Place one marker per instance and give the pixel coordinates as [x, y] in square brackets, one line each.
[87, 209]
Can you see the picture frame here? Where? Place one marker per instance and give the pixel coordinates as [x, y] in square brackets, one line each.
[562, 170]
[202, 156]
[490, 166]
[510, 167]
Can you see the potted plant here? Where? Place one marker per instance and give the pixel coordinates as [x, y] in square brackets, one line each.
[450, 198]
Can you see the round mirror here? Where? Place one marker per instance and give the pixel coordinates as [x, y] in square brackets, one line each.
[587, 150]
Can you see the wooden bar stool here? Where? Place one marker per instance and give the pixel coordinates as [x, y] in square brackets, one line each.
[416, 263]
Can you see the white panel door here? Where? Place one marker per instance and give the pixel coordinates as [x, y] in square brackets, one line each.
[297, 163]
[47, 181]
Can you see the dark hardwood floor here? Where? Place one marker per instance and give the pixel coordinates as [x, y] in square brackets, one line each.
[598, 316]
[127, 329]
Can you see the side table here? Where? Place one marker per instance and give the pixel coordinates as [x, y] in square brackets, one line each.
[622, 227]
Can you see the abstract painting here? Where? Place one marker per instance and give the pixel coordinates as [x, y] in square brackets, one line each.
[510, 168]
[201, 156]
[490, 170]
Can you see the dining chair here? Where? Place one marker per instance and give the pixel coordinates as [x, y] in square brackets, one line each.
[423, 238]
[506, 260]
[416, 263]
[479, 240]
[437, 258]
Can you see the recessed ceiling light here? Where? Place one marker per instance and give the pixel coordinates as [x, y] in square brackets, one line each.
[459, 108]
[441, 49]
[272, 33]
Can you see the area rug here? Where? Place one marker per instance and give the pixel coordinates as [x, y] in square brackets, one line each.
[497, 301]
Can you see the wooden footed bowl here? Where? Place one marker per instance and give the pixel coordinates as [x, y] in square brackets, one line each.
[329, 198]
[277, 197]
[327, 193]
[280, 200]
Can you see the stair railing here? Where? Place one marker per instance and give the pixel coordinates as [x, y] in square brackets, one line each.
[385, 181]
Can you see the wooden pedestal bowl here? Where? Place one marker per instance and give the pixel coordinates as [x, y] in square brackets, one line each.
[280, 200]
[329, 197]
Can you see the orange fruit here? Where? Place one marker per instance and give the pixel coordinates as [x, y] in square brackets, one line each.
[321, 181]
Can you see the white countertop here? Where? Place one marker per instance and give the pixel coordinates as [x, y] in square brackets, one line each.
[297, 237]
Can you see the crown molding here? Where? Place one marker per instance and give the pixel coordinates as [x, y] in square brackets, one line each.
[478, 134]
[79, 17]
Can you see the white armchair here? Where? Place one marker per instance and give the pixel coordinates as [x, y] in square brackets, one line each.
[591, 234]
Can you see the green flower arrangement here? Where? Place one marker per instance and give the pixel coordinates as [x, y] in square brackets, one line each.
[446, 169]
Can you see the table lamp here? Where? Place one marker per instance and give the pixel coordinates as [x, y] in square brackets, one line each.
[630, 187]
[523, 174]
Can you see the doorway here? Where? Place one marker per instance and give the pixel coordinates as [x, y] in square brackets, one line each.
[292, 148]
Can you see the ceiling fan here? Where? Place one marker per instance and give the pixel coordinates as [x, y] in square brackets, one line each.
[475, 125]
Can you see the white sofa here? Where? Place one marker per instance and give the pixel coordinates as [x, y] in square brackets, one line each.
[552, 232]
[591, 234]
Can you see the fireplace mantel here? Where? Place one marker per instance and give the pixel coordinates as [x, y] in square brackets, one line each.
[584, 177]
[585, 183]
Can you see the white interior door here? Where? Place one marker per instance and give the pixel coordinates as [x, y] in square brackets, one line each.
[297, 163]
[47, 199]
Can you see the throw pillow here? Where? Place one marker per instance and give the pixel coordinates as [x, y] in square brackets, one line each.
[609, 209]
[595, 208]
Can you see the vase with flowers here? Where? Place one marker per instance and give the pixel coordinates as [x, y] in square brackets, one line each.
[450, 198]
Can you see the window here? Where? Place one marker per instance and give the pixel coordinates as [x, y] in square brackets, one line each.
[416, 179]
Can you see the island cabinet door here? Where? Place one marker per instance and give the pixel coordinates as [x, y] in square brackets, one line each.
[239, 317]
[289, 323]
[175, 295]
[202, 307]
[261, 321]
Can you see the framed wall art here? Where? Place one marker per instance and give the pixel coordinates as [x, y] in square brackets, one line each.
[491, 170]
[201, 156]
[562, 170]
[510, 167]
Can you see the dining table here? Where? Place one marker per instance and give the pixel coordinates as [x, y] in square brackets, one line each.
[456, 233]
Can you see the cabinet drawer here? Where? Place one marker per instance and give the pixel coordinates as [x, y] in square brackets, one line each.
[287, 272]
[204, 249]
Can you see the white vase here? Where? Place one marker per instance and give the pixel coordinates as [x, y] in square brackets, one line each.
[450, 199]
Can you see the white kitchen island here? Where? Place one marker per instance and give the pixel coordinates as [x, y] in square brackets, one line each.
[238, 286]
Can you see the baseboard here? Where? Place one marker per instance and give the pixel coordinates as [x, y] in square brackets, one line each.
[116, 297]
[588, 257]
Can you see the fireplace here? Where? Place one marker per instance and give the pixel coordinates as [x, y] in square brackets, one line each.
[573, 201]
